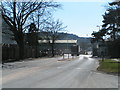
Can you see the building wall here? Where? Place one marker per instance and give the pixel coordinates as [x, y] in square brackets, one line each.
[99, 49]
[58, 47]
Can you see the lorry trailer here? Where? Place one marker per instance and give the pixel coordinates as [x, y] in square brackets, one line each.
[75, 50]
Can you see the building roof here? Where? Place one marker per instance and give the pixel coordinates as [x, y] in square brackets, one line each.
[58, 41]
[7, 35]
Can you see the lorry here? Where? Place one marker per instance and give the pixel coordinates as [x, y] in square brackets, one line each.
[75, 50]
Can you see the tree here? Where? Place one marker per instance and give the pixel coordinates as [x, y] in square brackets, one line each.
[53, 28]
[110, 29]
[111, 23]
[32, 38]
[17, 16]
[112, 20]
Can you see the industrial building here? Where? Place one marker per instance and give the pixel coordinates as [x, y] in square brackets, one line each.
[60, 46]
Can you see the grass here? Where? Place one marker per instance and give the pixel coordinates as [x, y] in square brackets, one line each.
[109, 66]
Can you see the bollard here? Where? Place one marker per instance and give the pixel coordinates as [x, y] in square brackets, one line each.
[68, 55]
[63, 55]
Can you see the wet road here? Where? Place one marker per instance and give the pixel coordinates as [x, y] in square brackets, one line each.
[79, 72]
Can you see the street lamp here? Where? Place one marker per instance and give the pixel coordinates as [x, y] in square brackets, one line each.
[98, 26]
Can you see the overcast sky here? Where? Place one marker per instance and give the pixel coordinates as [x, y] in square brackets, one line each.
[81, 18]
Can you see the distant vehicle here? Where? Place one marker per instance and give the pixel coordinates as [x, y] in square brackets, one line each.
[75, 50]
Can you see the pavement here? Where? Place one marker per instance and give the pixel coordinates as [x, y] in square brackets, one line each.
[77, 72]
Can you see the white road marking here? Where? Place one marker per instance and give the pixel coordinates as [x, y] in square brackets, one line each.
[59, 67]
[78, 68]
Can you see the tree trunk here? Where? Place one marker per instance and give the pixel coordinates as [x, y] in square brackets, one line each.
[52, 46]
[114, 31]
[19, 37]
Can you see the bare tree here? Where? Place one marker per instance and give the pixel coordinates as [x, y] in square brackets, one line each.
[53, 29]
[17, 16]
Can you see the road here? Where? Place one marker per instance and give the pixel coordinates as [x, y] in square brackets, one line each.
[78, 72]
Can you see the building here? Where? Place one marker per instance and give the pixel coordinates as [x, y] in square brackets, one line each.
[100, 49]
[60, 46]
[7, 35]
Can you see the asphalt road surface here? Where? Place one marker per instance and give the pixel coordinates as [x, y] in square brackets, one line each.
[77, 72]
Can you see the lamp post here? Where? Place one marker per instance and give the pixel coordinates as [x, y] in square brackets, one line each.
[67, 47]
[102, 52]
[98, 26]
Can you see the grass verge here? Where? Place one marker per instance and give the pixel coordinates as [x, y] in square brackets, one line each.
[109, 66]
